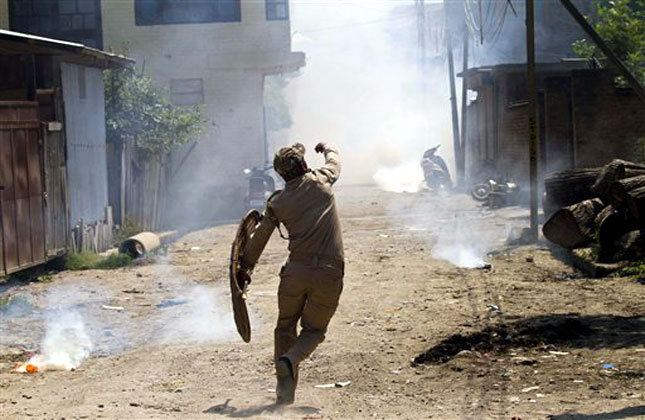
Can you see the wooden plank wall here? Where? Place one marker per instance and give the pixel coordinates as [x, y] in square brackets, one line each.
[21, 206]
[145, 189]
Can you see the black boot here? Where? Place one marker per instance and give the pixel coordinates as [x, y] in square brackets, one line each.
[286, 389]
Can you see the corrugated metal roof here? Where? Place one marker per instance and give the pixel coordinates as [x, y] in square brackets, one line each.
[17, 43]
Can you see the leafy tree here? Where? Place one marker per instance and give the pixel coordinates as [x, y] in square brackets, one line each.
[621, 23]
[276, 106]
[138, 110]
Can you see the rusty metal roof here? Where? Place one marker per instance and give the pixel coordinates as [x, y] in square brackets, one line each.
[16, 43]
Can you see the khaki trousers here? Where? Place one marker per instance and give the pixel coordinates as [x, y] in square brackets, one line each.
[310, 294]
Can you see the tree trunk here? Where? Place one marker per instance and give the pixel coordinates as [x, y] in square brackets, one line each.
[571, 227]
[635, 200]
[617, 193]
[610, 225]
[630, 247]
[548, 206]
[570, 187]
[614, 171]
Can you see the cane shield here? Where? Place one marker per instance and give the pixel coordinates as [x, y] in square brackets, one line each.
[239, 281]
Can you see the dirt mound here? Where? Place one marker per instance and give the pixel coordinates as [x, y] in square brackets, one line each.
[498, 339]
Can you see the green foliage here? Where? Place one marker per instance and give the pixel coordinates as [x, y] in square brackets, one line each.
[113, 261]
[621, 23]
[276, 106]
[129, 228]
[90, 261]
[137, 109]
[635, 270]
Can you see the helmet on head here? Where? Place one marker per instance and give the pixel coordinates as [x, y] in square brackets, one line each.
[289, 162]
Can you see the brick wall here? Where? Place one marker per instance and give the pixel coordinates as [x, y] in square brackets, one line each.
[607, 121]
[558, 125]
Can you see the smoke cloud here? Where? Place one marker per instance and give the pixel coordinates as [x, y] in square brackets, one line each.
[362, 89]
[69, 323]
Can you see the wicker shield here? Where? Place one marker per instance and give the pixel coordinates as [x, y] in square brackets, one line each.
[239, 282]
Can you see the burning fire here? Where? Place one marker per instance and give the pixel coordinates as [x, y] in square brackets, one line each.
[41, 363]
[26, 368]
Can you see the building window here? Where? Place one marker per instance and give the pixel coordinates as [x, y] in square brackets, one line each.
[167, 12]
[277, 9]
[187, 91]
[70, 20]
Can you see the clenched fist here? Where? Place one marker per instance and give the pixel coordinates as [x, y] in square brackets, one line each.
[320, 147]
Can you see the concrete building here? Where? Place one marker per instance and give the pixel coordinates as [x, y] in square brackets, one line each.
[213, 54]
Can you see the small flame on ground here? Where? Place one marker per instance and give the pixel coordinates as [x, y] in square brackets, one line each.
[26, 368]
[41, 363]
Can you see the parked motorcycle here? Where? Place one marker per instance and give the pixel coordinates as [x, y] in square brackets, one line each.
[261, 185]
[435, 171]
[502, 194]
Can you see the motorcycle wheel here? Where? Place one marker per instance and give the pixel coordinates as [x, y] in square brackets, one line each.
[480, 192]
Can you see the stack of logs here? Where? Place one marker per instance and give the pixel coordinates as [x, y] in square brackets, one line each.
[604, 207]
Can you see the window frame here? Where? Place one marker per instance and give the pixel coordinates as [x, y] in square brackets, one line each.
[178, 91]
[270, 8]
[140, 20]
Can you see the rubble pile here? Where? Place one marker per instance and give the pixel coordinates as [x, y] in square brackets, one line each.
[600, 208]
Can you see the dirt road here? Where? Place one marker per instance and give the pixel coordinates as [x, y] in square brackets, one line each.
[540, 340]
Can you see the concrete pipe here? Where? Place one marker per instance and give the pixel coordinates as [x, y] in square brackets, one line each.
[140, 244]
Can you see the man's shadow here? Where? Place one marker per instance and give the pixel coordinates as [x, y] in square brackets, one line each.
[267, 409]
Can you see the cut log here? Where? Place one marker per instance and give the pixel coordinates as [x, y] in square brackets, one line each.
[614, 171]
[610, 225]
[630, 247]
[572, 226]
[617, 193]
[548, 206]
[635, 200]
[570, 187]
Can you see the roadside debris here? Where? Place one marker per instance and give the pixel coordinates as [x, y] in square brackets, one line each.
[166, 303]
[138, 245]
[112, 308]
[335, 385]
[133, 291]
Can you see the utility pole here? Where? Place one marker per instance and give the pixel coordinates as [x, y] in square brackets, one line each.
[453, 104]
[461, 165]
[421, 33]
[533, 134]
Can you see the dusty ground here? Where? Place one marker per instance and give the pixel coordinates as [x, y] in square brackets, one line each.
[541, 334]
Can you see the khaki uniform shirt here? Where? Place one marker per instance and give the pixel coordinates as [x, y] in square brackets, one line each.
[307, 208]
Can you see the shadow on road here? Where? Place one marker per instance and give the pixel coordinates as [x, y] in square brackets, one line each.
[625, 413]
[565, 330]
[268, 409]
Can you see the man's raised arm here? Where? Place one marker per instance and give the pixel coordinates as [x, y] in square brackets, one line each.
[331, 169]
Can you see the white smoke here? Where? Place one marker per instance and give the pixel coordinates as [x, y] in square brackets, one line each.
[461, 243]
[362, 88]
[66, 343]
[191, 312]
[77, 320]
[201, 316]
[406, 177]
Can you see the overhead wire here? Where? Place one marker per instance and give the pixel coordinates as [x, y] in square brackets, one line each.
[486, 23]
